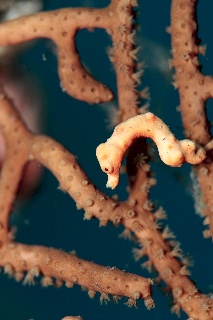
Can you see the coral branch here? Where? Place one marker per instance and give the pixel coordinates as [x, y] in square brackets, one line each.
[172, 152]
[74, 77]
[18, 258]
[194, 88]
[116, 19]
[51, 263]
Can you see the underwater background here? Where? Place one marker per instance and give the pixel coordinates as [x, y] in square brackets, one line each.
[50, 217]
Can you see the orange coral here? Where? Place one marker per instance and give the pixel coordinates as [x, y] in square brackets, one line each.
[136, 214]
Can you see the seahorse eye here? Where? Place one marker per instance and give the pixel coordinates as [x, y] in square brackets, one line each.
[108, 169]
